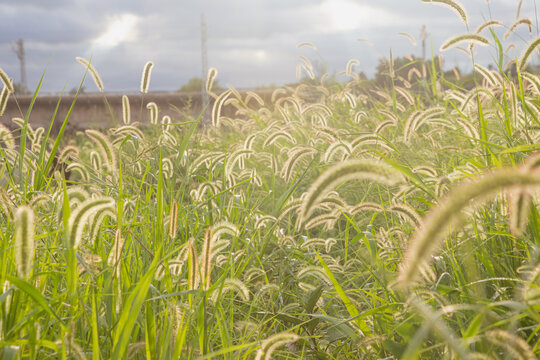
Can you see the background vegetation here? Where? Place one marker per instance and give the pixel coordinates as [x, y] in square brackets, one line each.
[338, 220]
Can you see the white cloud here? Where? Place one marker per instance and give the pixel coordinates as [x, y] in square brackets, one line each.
[347, 15]
[119, 30]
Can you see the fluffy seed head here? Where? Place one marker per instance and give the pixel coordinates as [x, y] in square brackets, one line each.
[512, 343]
[531, 290]
[314, 271]
[105, 147]
[93, 72]
[454, 5]
[126, 110]
[206, 259]
[6, 137]
[216, 110]
[79, 218]
[235, 285]
[410, 37]
[24, 239]
[68, 152]
[519, 207]
[487, 24]
[212, 74]
[224, 228]
[471, 38]
[406, 212]
[4, 95]
[173, 219]
[152, 106]
[95, 221]
[8, 83]
[193, 273]
[269, 345]
[115, 255]
[253, 95]
[350, 64]
[145, 80]
[346, 171]
[442, 219]
[525, 56]
[523, 21]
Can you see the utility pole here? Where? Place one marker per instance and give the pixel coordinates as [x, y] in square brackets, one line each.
[204, 62]
[19, 51]
[423, 37]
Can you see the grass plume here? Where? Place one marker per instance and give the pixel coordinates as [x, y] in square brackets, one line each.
[145, 79]
[93, 72]
[441, 220]
[340, 173]
[24, 233]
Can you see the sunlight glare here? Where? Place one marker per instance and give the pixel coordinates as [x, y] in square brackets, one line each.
[346, 15]
[119, 30]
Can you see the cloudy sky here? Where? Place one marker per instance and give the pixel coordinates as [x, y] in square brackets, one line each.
[250, 42]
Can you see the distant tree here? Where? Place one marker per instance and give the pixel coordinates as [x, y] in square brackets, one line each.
[20, 89]
[73, 90]
[402, 66]
[195, 84]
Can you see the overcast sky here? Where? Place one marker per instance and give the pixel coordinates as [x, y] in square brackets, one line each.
[250, 42]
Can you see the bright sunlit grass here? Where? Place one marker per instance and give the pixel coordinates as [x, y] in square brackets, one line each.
[387, 219]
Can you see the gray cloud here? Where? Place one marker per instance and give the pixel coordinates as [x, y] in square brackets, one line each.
[251, 42]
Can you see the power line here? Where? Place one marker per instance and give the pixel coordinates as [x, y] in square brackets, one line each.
[18, 48]
[204, 62]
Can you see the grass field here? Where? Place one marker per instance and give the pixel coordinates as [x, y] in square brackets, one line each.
[336, 221]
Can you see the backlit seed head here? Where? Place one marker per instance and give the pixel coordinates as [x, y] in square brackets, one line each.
[152, 106]
[531, 289]
[193, 262]
[454, 5]
[340, 173]
[4, 95]
[126, 110]
[115, 254]
[269, 345]
[441, 220]
[105, 147]
[526, 55]
[470, 38]
[512, 343]
[173, 220]
[235, 285]
[6, 137]
[8, 83]
[206, 259]
[24, 240]
[212, 74]
[145, 80]
[93, 72]
[80, 216]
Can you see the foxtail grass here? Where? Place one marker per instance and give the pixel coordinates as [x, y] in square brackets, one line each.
[340, 173]
[79, 218]
[105, 147]
[269, 345]
[526, 55]
[4, 96]
[455, 6]
[24, 233]
[126, 110]
[441, 220]
[218, 104]
[470, 38]
[93, 72]
[212, 74]
[8, 83]
[145, 79]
